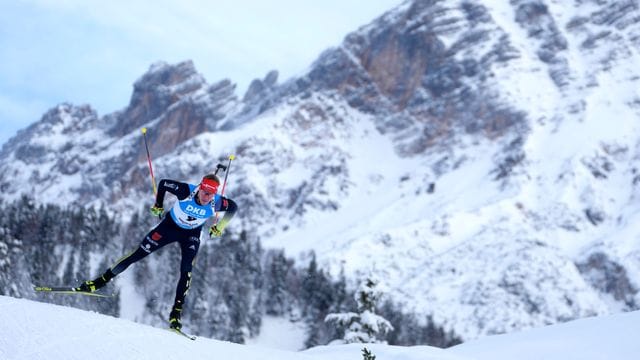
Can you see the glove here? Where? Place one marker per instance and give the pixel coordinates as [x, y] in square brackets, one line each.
[156, 210]
[215, 232]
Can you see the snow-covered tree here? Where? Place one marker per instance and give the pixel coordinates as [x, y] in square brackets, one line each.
[365, 326]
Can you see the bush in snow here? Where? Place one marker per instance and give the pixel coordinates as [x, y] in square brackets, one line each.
[365, 326]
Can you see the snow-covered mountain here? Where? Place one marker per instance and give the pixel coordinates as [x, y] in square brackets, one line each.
[481, 158]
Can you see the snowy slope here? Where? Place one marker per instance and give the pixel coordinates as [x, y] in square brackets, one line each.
[36, 331]
[41, 331]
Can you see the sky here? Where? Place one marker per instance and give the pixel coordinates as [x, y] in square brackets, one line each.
[35, 330]
[91, 52]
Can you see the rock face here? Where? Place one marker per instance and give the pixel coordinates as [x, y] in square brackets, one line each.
[461, 151]
[425, 90]
[156, 91]
[178, 101]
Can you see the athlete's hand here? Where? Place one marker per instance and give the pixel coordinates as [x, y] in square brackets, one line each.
[215, 232]
[156, 211]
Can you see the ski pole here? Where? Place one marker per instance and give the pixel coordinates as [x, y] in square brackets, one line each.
[224, 184]
[153, 179]
[226, 173]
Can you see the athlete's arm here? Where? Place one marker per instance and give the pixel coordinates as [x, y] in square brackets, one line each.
[229, 207]
[179, 189]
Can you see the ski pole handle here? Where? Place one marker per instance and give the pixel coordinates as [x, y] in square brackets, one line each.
[218, 167]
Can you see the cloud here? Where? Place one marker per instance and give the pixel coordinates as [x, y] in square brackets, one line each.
[87, 51]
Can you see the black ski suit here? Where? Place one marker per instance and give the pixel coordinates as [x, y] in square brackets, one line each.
[182, 224]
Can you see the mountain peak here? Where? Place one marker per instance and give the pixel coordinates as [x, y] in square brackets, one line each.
[157, 90]
[164, 74]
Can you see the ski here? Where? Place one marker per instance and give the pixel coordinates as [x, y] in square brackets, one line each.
[67, 290]
[180, 332]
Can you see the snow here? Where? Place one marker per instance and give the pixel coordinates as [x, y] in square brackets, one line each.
[36, 331]
[132, 304]
[608, 337]
[280, 333]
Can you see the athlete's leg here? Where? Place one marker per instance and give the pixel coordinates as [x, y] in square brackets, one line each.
[153, 241]
[189, 249]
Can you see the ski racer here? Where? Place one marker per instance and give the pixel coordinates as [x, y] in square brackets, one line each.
[183, 224]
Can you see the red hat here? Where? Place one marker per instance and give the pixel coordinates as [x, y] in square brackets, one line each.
[209, 185]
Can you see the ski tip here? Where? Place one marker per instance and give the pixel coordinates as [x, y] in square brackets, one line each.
[69, 290]
[144, 130]
[232, 157]
[181, 333]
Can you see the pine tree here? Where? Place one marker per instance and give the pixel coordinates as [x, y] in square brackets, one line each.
[277, 299]
[229, 275]
[411, 330]
[367, 355]
[14, 279]
[5, 264]
[318, 299]
[365, 326]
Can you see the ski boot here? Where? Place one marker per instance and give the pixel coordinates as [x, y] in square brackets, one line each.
[174, 317]
[93, 285]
